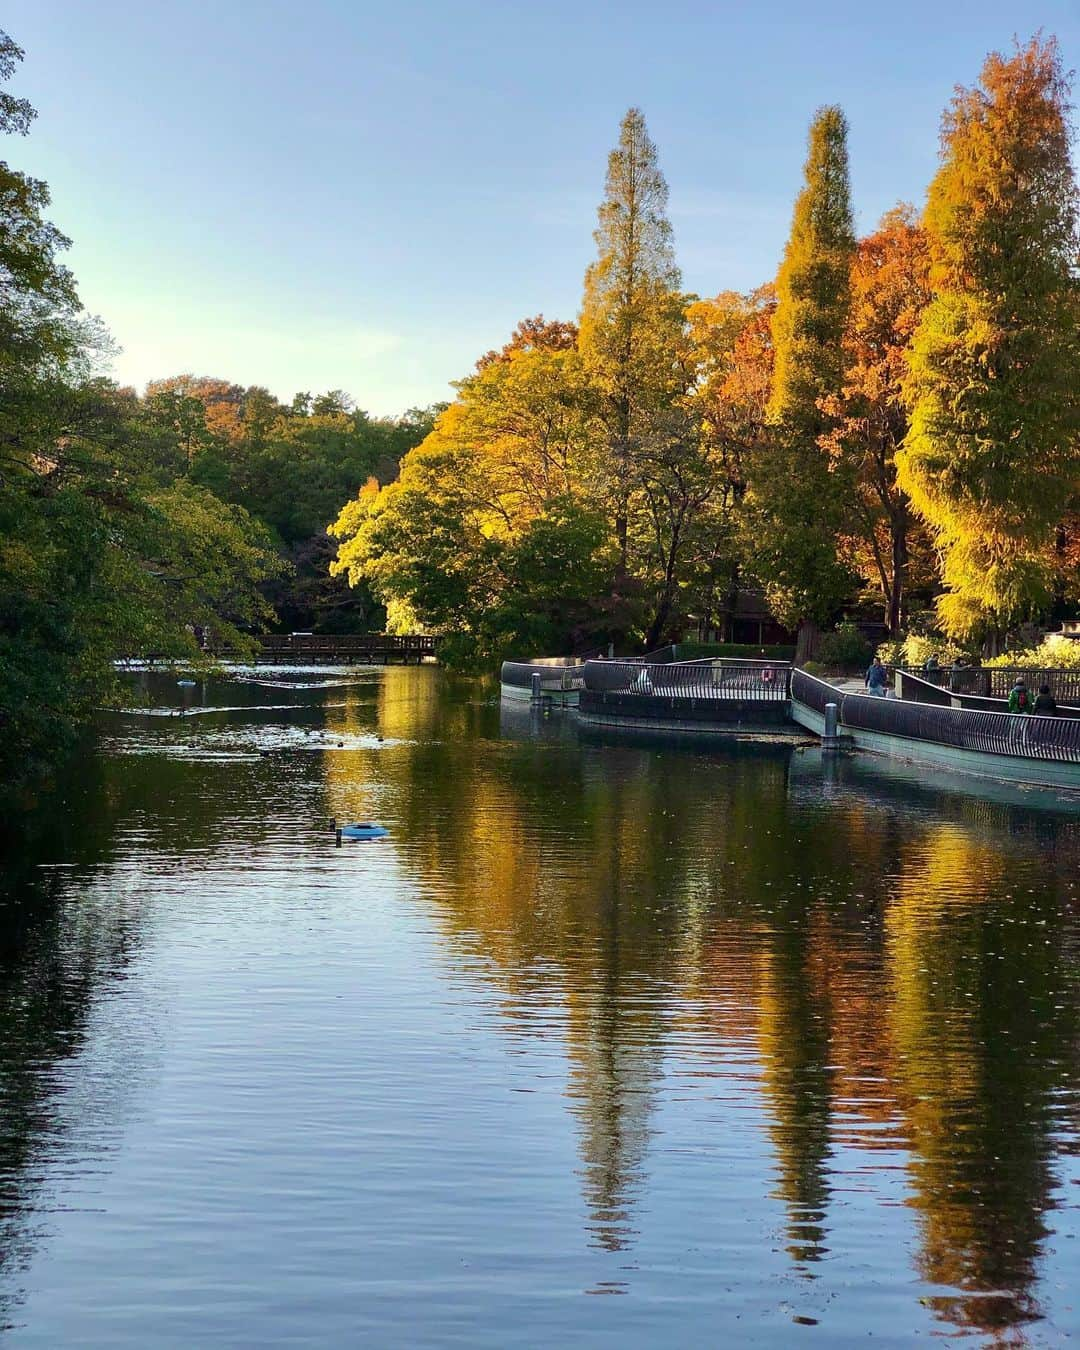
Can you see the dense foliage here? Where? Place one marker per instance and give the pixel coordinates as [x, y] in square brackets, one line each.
[992, 460]
[131, 526]
[889, 427]
[799, 494]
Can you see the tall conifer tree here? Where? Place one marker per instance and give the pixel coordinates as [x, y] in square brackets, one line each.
[632, 318]
[796, 504]
[993, 453]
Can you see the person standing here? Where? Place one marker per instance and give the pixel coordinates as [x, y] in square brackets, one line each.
[1020, 700]
[877, 679]
[1045, 702]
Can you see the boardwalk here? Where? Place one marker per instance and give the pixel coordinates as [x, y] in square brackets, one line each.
[345, 649]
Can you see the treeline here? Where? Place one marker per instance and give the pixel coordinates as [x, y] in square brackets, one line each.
[130, 525]
[290, 466]
[889, 427]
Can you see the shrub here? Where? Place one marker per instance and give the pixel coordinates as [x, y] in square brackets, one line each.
[1053, 653]
[891, 652]
[917, 648]
[845, 648]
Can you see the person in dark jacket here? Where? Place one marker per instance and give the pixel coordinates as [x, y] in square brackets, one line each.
[877, 678]
[1045, 702]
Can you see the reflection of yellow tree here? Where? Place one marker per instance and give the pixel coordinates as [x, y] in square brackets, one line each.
[794, 1043]
[971, 985]
[643, 893]
[588, 881]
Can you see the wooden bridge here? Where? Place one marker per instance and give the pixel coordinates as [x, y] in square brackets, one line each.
[345, 649]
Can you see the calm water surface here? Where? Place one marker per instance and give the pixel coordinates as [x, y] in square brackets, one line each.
[606, 1044]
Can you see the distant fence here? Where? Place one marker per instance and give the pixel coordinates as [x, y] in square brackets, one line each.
[1026, 735]
[726, 678]
[996, 681]
[919, 689]
[347, 647]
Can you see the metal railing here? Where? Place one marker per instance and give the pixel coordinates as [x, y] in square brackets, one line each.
[1025, 735]
[814, 693]
[710, 678]
[916, 688]
[556, 672]
[996, 681]
[349, 643]
[1064, 684]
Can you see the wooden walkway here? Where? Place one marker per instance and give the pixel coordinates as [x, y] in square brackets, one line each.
[345, 650]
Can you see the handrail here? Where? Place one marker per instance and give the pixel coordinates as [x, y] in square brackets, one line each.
[996, 681]
[1024, 735]
[519, 674]
[916, 688]
[707, 678]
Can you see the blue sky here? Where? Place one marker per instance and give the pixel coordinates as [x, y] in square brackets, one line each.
[332, 193]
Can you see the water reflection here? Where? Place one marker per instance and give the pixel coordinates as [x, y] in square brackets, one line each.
[852, 991]
[897, 960]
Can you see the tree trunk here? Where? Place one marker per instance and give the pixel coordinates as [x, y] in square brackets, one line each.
[663, 612]
[620, 536]
[894, 617]
[993, 644]
[806, 642]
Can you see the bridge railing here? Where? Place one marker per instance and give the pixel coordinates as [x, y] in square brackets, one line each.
[918, 689]
[555, 673]
[347, 644]
[710, 678]
[1026, 735]
[996, 681]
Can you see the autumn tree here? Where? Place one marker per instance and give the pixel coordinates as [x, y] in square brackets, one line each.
[731, 355]
[890, 289]
[492, 531]
[796, 502]
[533, 334]
[632, 313]
[993, 454]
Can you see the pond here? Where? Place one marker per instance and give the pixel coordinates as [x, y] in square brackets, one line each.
[606, 1043]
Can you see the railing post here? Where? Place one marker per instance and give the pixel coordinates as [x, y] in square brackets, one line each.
[831, 739]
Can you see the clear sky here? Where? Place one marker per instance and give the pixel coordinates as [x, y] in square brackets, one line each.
[314, 194]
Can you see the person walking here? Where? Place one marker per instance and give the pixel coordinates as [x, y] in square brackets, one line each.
[1045, 702]
[1020, 700]
[877, 679]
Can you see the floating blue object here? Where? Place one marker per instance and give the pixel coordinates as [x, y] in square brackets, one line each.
[186, 684]
[363, 829]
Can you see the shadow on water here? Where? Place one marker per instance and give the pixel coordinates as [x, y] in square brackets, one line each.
[878, 973]
[54, 961]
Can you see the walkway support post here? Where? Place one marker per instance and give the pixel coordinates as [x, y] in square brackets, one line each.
[831, 739]
[536, 693]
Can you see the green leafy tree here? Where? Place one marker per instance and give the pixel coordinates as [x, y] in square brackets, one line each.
[796, 503]
[103, 551]
[992, 458]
